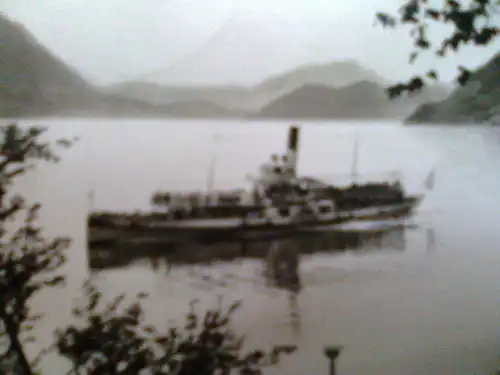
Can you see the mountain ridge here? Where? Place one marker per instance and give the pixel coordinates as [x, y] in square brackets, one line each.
[253, 99]
[35, 82]
[247, 98]
[477, 102]
[315, 101]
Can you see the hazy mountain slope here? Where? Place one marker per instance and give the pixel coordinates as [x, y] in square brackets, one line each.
[222, 96]
[335, 74]
[34, 82]
[200, 109]
[476, 102]
[31, 77]
[253, 98]
[361, 100]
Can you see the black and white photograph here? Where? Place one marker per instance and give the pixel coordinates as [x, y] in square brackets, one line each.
[279, 187]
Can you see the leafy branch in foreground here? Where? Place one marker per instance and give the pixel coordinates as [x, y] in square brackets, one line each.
[113, 339]
[28, 261]
[472, 23]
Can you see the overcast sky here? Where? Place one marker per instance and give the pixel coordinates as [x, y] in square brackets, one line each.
[221, 41]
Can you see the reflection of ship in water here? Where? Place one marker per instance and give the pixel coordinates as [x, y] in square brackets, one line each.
[392, 239]
[366, 238]
[282, 265]
[282, 261]
[430, 240]
[282, 272]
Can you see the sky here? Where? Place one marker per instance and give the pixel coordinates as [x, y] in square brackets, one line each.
[204, 42]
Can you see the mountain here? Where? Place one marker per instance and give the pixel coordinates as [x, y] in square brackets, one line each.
[335, 74]
[361, 100]
[37, 83]
[222, 96]
[476, 102]
[34, 82]
[251, 98]
[200, 109]
[336, 78]
[31, 76]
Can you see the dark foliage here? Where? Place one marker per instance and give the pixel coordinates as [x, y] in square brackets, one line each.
[28, 261]
[113, 339]
[472, 22]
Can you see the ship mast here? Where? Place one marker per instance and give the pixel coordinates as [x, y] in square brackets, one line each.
[211, 168]
[354, 166]
[211, 174]
[91, 199]
[91, 196]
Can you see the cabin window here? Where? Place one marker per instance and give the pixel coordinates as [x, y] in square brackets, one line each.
[284, 211]
[324, 209]
[255, 215]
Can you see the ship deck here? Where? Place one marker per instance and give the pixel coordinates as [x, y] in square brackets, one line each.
[229, 222]
[233, 223]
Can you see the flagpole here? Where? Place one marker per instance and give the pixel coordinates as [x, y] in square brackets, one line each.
[430, 180]
[211, 168]
[354, 165]
[91, 196]
[91, 200]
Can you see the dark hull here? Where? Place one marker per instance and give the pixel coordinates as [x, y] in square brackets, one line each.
[233, 228]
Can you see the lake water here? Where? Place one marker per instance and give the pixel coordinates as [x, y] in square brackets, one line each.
[396, 311]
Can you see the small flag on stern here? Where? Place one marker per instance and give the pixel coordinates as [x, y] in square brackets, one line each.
[430, 179]
[91, 198]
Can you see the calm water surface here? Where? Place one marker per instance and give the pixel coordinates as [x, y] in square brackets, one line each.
[396, 310]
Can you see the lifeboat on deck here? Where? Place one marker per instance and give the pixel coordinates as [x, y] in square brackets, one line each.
[324, 209]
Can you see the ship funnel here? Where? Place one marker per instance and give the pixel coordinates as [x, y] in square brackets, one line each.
[293, 147]
[293, 138]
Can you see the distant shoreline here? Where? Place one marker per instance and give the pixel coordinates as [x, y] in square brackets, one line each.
[198, 118]
[349, 121]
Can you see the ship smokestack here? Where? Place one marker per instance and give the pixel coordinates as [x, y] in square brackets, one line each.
[293, 138]
[293, 147]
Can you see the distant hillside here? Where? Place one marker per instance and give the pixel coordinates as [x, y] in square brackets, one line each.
[253, 98]
[477, 102]
[334, 74]
[31, 77]
[200, 109]
[34, 82]
[360, 100]
[256, 100]
[158, 94]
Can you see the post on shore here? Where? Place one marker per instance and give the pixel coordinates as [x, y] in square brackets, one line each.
[332, 352]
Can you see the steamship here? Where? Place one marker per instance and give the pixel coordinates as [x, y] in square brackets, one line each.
[278, 201]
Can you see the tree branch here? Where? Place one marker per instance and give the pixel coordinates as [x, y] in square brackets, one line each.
[471, 25]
